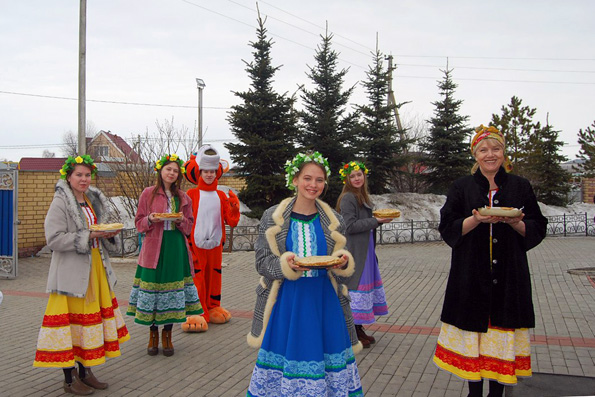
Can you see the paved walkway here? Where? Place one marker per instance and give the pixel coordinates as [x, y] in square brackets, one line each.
[219, 362]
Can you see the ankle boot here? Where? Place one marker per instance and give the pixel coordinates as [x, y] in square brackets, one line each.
[77, 387]
[370, 338]
[153, 347]
[168, 347]
[361, 336]
[91, 380]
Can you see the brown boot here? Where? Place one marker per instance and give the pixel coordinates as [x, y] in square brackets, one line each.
[91, 380]
[361, 336]
[153, 347]
[77, 387]
[168, 347]
[368, 337]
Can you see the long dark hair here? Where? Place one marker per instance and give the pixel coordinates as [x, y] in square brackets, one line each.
[175, 187]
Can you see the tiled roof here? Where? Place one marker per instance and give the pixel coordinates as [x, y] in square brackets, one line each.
[41, 164]
[122, 145]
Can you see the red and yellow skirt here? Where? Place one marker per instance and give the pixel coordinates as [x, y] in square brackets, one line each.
[86, 330]
[501, 354]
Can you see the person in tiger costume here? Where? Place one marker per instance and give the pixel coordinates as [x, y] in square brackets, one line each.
[212, 209]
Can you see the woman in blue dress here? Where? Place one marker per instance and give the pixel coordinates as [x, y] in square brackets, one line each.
[302, 319]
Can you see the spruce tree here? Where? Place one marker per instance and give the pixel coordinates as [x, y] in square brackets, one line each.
[264, 123]
[325, 124]
[447, 145]
[516, 123]
[586, 139]
[549, 180]
[380, 141]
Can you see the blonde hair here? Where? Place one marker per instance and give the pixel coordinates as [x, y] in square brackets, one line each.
[492, 143]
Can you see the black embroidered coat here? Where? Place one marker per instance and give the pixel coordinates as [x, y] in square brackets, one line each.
[484, 287]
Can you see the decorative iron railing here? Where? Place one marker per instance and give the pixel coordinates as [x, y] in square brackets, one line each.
[571, 224]
[130, 241]
[243, 238]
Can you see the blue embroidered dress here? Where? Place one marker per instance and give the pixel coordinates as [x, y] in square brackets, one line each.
[306, 349]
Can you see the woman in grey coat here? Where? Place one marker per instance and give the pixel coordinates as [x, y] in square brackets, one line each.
[365, 285]
[82, 321]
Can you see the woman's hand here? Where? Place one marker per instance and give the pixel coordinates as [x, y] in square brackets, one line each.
[516, 223]
[96, 234]
[344, 261]
[291, 263]
[471, 222]
[484, 218]
[510, 220]
[153, 219]
[384, 220]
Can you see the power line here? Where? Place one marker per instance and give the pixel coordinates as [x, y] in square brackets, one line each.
[401, 55]
[320, 27]
[301, 29]
[35, 146]
[247, 24]
[504, 80]
[58, 145]
[503, 69]
[113, 102]
[398, 55]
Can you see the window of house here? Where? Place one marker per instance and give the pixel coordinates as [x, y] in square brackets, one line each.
[102, 151]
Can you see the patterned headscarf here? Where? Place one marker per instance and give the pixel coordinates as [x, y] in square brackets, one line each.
[482, 132]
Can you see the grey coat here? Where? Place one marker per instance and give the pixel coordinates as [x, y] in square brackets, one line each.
[67, 235]
[358, 222]
[271, 264]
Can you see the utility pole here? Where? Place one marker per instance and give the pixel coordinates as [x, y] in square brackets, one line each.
[391, 94]
[200, 84]
[82, 135]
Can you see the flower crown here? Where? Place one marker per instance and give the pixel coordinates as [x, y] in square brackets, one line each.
[292, 167]
[348, 168]
[72, 162]
[169, 157]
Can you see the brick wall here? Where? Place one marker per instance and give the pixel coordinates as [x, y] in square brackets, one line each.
[233, 182]
[35, 193]
[588, 190]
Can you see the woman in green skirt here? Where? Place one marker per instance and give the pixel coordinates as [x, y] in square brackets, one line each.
[163, 292]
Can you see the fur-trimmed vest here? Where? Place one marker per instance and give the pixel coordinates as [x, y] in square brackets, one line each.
[271, 264]
[67, 235]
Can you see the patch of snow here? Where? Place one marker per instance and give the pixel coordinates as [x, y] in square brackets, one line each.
[413, 206]
[418, 207]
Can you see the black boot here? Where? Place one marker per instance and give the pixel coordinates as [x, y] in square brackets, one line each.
[475, 389]
[496, 389]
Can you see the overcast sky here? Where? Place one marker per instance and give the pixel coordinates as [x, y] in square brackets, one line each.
[149, 52]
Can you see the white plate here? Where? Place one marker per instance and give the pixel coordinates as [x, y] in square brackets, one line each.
[499, 211]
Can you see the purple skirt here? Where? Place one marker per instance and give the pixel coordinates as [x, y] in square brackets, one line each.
[369, 300]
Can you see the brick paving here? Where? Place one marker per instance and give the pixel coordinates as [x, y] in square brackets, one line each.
[219, 362]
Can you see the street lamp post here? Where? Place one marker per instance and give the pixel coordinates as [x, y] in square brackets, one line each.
[201, 84]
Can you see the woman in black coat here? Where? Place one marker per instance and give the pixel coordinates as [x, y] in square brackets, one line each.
[488, 308]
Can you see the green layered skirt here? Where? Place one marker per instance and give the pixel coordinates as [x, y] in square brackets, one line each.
[166, 294]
